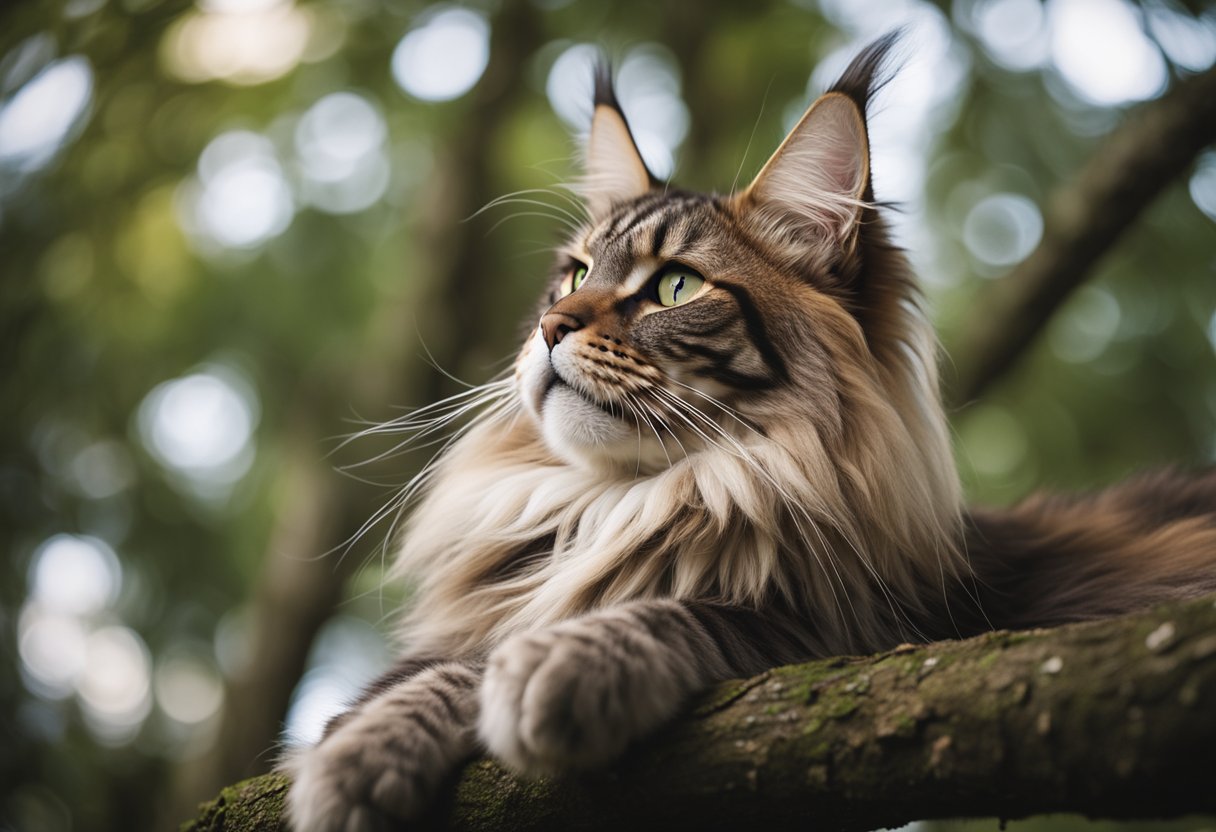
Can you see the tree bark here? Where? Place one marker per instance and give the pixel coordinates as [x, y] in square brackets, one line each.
[1082, 221]
[1112, 719]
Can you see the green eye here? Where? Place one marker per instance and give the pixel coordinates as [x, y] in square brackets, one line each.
[679, 287]
[573, 279]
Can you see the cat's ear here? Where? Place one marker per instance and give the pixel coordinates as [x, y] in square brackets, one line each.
[818, 180]
[613, 168]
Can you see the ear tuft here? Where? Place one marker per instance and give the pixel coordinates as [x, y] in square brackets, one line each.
[614, 171]
[818, 181]
[605, 92]
[869, 72]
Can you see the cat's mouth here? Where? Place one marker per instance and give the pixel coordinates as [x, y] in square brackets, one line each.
[556, 382]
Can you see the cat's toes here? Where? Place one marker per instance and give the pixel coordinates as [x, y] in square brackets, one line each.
[384, 763]
[511, 667]
[339, 787]
[365, 777]
[550, 702]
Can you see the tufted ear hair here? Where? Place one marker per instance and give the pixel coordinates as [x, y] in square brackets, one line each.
[818, 180]
[613, 168]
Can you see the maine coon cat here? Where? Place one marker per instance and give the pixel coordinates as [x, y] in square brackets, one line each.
[722, 449]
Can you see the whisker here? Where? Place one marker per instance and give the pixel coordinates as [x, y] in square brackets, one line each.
[787, 499]
[565, 223]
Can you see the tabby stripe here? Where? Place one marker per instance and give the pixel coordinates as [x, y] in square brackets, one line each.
[755, 328]
[644, 618]
[702, 350]
[737, 380]
[584, 639]
[645, 206]
[427, 723]
[624, 369]
[660, 235]
[449, 705]
[713, 329]
[463, 680]
[674, 621]
[693, 232]
[640, 218]
[743, 238]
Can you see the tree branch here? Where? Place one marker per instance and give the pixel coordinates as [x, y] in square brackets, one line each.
[1083, 220]
[1110, 719]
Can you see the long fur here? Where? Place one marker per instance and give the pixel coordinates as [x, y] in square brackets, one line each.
[668, 494]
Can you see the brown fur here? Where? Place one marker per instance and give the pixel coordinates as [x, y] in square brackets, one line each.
[669, 494]
[1055, 559]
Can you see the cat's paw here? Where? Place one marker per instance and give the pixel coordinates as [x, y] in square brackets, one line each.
[356, 781]
[575, 695]
[385, 762]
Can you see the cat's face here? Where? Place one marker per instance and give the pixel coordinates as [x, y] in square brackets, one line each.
[676, 320]
[661, 317]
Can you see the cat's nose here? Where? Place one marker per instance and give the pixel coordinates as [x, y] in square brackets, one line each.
[556, 325]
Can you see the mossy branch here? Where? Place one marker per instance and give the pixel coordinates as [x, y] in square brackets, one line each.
[1110, 719]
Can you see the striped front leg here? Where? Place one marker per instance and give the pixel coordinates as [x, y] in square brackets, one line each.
[385, 759]
[578, 693]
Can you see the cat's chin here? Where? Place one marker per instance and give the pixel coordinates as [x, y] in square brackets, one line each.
[583, 433]
[580, 431]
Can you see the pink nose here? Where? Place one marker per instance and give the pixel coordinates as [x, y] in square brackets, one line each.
[555, 326]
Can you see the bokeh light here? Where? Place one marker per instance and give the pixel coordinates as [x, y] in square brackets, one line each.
[240, 199]
[201, 425]
[1012, 32]
[102, 469]
[115, 684]
[1189, 41]
[1083, 329]
[1102, 52]
[346, 655]
[444, 55]
[238, 42]
[1001, 229]
[53, 649]
[1202, 184]
[188, 687]
[993, 441]
[37, 121]
[340, 145]
[648, 86]
[570, 85]
[74, 575]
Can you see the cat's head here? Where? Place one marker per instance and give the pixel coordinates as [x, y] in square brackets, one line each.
[675, 320]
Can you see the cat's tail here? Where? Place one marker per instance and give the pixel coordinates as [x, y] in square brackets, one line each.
[1054, 559]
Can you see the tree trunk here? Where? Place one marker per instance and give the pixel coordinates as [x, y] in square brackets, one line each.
[1111, 719]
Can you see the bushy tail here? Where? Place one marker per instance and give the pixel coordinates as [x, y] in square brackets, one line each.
[1054, 559]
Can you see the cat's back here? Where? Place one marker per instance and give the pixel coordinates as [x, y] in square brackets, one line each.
[1052, 559]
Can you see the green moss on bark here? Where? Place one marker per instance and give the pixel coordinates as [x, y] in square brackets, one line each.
[1110, 719]
[254, 804]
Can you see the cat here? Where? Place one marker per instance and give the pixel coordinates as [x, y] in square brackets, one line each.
[722, 449]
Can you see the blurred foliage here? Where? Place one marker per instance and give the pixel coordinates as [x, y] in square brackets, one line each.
[309, 297]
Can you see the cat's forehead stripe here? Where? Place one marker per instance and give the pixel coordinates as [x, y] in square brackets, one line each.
[675, 223]
[660, 234]
[640, 212]
[616, 226]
